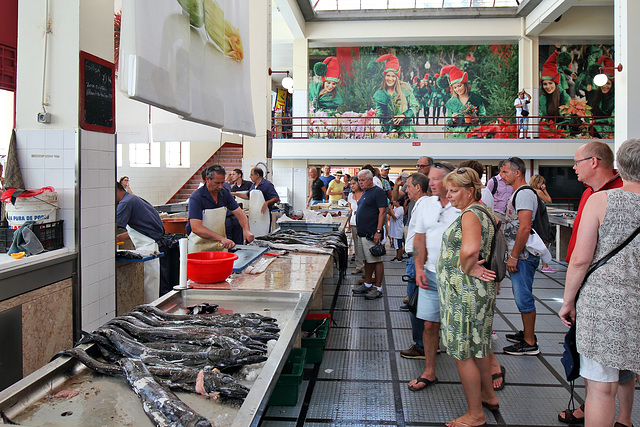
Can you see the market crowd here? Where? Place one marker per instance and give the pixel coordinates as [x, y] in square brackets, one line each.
[441, 220]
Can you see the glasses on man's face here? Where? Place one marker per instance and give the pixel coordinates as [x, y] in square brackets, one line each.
[419, 166]
[439, 165]
[575, 162]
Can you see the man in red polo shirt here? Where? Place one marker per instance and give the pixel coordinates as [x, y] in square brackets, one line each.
[593, 163]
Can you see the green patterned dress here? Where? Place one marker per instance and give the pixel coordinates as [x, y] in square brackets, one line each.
[467, 304]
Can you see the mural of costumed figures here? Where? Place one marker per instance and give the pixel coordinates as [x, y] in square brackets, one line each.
[395, 102]
[551, 96]
[603, 103]
[421, 92]
[324, 96]
[464, 107]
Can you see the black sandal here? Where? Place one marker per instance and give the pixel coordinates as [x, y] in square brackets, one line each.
[500, 375]
[569, 418]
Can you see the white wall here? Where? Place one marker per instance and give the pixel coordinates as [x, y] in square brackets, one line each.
[158, 184]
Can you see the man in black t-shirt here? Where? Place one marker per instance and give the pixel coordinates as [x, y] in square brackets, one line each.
[370, 218]
[239, 184]
[318, 190]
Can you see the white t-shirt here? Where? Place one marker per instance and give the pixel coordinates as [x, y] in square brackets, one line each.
[378, 182]
[432, 219]
[487, 197]
[411, 227]
[519, 110]
[396, 226]
[527, 200]
[354, 207]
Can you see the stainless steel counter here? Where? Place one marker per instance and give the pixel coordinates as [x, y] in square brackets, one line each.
[109, 401]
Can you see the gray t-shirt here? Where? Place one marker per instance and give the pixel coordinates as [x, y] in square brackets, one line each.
[526, 200]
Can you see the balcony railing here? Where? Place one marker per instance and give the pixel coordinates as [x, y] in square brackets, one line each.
[362, 126]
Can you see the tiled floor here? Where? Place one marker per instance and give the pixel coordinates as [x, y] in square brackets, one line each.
[362, 380]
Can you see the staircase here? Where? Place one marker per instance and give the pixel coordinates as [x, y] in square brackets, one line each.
[229, 156]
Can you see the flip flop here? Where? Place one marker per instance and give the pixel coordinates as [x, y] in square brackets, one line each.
[424, 381]
[455, 423]
[502, 373]
[569, 418]
[617, 424]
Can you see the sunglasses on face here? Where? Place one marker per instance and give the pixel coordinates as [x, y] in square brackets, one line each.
[439, 165]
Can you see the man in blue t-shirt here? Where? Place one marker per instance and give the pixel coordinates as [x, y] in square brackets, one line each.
[145, 230]
[370, 218]
[213, 195]
[266, 187]
[326, 177]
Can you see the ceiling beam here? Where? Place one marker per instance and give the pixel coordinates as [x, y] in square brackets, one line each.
[292, 16]
[545, 13]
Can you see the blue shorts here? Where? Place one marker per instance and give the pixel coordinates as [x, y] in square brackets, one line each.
[522, 282]
[315, 202]
[522, 123]
[429, 301]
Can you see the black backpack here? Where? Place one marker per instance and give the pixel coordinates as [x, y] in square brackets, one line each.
[495, 186]
[497, 259]
[541, 223]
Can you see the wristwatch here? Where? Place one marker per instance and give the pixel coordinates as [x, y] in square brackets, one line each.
[379, 231]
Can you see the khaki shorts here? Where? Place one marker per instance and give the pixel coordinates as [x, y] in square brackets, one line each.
[366, 245]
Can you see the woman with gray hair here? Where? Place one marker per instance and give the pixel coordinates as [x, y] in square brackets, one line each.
[606, 312]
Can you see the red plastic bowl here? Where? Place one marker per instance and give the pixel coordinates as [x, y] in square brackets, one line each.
[210, 267]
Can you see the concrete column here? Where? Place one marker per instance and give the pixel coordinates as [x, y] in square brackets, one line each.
[528, 67]
[627, 85]
[255, 148]
[300, 82]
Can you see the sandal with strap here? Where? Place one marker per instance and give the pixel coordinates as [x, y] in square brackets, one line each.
[569, 418]
[502, 373]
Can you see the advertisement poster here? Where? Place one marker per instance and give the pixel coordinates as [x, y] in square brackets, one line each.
[571, 105]
[402, 92]
[189, 57]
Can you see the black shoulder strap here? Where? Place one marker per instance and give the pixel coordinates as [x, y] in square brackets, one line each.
[495, 185]
[516, 193]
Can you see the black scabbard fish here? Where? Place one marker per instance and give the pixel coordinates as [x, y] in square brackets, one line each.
[161, 405]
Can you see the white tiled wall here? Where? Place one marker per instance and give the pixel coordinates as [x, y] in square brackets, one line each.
[97, 228]
[48, 158]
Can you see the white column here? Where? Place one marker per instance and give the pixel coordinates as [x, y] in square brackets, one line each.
[300, 82]
[627, 84]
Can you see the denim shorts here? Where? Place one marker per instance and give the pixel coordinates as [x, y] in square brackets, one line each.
[522, 282]
[410, 270]
[595, 371]
[428, 300]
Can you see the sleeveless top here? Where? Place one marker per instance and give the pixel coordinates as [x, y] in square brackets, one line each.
[607, 312]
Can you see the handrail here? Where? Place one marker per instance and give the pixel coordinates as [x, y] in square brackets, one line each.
[362, 126]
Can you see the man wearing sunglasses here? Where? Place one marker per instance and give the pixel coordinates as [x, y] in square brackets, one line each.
[521, 264]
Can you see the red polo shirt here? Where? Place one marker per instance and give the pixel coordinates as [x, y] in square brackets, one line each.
[615, 182]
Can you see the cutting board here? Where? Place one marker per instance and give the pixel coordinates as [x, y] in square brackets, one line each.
[258, 221]
[246, 257]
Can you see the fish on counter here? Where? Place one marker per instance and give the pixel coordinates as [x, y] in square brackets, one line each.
[157, 351]
[161, 405]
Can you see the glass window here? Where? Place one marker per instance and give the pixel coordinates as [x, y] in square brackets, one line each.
[177, 154]
[145, 154]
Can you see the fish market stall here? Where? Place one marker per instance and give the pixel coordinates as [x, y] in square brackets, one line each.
[66, 393]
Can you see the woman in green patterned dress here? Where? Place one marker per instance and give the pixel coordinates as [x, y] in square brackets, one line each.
[468, 294]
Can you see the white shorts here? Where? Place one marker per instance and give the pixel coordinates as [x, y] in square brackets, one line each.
[366, 245]
[595, 371]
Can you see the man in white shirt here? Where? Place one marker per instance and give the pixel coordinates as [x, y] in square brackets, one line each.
[522, 112]
[417, 187]
[431, 218]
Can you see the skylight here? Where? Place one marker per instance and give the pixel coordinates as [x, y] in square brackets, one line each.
[329, 5]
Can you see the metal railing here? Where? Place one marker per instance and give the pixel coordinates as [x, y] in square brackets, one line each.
[363, 126]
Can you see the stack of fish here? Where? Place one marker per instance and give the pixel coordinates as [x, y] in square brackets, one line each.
[334, 243]
[157, 351]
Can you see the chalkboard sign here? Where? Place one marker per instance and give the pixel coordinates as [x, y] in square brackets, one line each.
[97, 94]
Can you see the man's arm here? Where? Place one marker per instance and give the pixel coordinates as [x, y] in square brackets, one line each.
[397, 192]
[419, 258]
[205, 233]
[382, 218]
[524, 216]
[244, 223]
[241, 195]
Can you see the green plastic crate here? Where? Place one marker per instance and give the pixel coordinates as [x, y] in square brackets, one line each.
[315, 346]
[286, 391]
